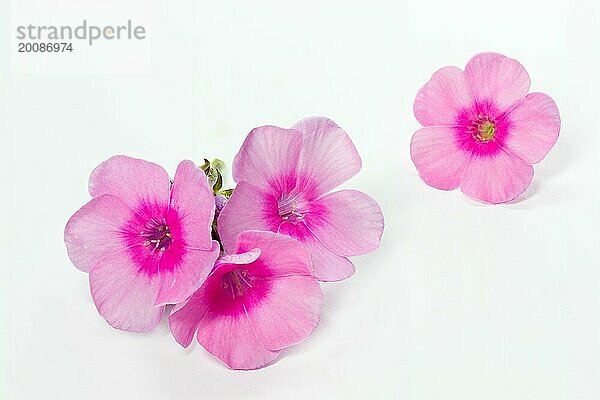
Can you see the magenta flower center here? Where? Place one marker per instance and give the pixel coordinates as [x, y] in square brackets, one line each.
[291, 209]
[237, 282]
[482, 128]
[156, 235]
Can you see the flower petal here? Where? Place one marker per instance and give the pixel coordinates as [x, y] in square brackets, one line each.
[534, 126]
[248, 209]
[232, 340]
[132, 180]
[289, 313]
[497, 80]
[94, 231]
[185, 317]
[179, 283]
[123, 295]
[496, 178]
[242, 258]
[193, 201]
[347, 222]
[328, 156]
[281, 254]
[447, 93]
[268, 158]
[326, 265]
[438, 158]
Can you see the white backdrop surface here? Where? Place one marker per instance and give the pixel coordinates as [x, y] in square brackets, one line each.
[462, 301]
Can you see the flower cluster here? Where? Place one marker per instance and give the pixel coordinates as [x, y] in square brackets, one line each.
[241, 267]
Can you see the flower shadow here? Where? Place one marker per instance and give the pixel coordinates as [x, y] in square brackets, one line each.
[560, 160]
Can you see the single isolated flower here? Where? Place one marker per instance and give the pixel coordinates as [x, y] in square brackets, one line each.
[254, 303]
[482, 131]
[144, 241]
[283, 177]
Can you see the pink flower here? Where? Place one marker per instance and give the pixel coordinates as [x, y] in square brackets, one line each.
[254, 303]
[482, 130]
[144, 242]
[283, 176]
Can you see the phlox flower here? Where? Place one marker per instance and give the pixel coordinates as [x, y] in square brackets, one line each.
[256, 301]
[482, 131]
[144, 241]
[283, 178]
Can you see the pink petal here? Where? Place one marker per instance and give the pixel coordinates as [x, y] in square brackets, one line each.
[94, 231]
[442, 98]
[268, 158]
[327, 266]
[438, 158]
[193, 201]
[124, 296]
[232, 340]
[289, 314]
[497, 79]
[179, 283]
[246, 257]
[281, 254]
[132, 180]
[185, 317]
[534, 127]
[328, 156]
[347, 222]
[497, 178]
[248, 208]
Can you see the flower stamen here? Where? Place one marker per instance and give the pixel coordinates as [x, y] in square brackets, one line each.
[237, 281]
[482, 128]
[157, 235]
[289, 210]
[487, 132]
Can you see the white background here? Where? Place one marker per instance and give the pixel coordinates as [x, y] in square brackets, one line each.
[462, 301]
